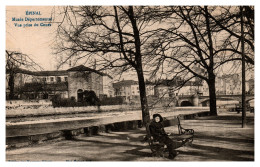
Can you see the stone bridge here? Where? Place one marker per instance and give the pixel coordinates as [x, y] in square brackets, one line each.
[188, 100]
[195, 100]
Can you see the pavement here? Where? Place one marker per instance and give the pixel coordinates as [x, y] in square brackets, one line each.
[217, 138]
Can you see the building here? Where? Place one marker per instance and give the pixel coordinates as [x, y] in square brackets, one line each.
[108, 89]
[126, 89]
[163, 89]
[69, 83]
[38, 84]
[129, 90]
[231, 84]
[250, 86]
[169, 88]
[228, 84]
[191, 88]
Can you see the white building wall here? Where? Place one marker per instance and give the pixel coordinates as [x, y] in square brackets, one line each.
[135, 90]
[108, 86]
[150, 90]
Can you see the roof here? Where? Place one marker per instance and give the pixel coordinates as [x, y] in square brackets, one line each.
[124, 83]
[84, 68]
[229, 76]
[167, 82]
[129, 83]
[149, 83]
[32, 87]
[81, 68]
[39, 73]
[19, 70]
[193, 83]
[50, 73]
[178, 83]
[57, 72]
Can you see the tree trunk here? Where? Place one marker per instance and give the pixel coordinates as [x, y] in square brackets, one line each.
[143, 98]
[11, 86]
[212, 95]
[139, 68]
[243, 72]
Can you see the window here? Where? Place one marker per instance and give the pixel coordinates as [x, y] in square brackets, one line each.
[52, 79]
[87, 77]
[66, 79]
[58, 79]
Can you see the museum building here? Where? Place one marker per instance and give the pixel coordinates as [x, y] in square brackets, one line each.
[69, 83]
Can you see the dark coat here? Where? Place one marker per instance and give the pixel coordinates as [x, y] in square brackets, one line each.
[157, 129]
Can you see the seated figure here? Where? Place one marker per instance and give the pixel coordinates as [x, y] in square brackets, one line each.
[158, 133]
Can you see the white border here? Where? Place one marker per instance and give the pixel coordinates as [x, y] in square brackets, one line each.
[122, 2]
[130, 2]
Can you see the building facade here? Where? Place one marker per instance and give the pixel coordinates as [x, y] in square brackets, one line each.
[129, 90]
[168, 88]
[69, 83]
[230, 84]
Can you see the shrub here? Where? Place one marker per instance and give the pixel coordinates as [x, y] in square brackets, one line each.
[112, 101]
[89, 99]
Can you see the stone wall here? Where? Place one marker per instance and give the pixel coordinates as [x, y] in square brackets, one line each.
[97, 83]
[84, 80]
[18, 103]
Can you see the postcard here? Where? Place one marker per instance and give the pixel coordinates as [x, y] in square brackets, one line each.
[130, 83]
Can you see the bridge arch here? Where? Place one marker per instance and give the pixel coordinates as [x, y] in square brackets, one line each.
[186, 103]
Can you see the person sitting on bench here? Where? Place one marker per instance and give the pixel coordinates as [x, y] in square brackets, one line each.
[159, 134]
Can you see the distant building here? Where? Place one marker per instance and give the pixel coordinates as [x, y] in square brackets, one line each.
[150, 88]
[172, 88]
[164, 88]
[108, 89]
[205, 88]
[191, 88]
[250, 84]
[66, 83]
[38, 84]
[82, 78]
[230, 84]
[129, 89]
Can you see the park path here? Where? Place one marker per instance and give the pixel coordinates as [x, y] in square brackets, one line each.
[217, 138]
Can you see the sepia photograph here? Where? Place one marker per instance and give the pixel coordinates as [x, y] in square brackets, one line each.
[130, 83]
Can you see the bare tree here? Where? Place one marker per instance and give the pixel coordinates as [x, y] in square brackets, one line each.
[229, 20]
[14, 62]
[196, 41]
[112, 37]
[185, 40]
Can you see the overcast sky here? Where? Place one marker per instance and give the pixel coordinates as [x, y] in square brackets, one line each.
[37, 42]
[33, 41]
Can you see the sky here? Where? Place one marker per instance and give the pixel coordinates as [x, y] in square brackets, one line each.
[35, 41]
